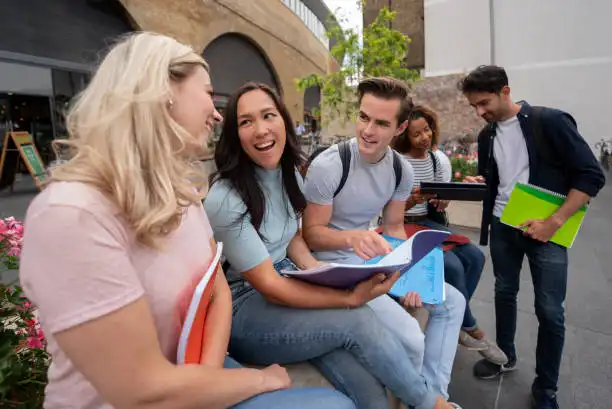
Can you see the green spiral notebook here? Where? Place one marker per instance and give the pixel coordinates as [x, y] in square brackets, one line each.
[533, 202]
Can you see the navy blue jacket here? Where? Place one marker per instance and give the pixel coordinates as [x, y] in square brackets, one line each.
[569, 164]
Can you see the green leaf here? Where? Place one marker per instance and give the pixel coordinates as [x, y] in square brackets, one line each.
[383, 53]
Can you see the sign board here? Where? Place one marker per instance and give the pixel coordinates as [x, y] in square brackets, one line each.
[20, 145]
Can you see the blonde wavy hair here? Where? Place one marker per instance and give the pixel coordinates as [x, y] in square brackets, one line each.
[123, 141]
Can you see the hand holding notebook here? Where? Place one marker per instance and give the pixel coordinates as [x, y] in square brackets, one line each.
[529, 202]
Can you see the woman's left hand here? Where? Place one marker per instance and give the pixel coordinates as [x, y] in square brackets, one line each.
[440, 205]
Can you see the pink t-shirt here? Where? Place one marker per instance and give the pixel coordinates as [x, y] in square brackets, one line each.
[80, 262]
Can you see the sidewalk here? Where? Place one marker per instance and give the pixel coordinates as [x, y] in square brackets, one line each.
[586, 373]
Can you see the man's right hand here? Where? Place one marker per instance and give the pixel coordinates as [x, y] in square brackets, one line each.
[474, 179]
[375, 286]
[275, 377]
[368, 244]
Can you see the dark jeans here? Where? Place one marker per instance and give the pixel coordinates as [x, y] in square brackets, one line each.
[462, 269]
[548, 265]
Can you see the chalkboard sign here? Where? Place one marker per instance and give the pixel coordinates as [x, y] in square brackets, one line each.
[20, 144]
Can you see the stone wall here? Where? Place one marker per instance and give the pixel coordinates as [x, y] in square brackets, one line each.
[457, 117]
[290, 47]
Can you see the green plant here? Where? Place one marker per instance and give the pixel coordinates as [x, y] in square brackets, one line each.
[383, 53]
[23, 358]
[463, 166]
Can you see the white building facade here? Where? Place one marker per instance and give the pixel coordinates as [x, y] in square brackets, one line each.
[557, 53]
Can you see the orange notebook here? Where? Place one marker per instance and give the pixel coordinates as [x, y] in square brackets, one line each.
[192, 334]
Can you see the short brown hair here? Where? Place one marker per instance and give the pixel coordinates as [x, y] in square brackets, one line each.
[388, 88]
[402, 144]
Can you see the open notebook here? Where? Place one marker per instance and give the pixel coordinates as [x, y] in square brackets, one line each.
[191, 339]
[529, 202]
[403, 257]
[425, 277]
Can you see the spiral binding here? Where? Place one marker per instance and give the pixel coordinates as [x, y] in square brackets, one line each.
[550, 192]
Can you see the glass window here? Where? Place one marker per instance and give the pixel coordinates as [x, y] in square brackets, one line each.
[25, 79]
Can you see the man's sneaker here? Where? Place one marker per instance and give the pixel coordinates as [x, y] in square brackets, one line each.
[484, 369]
[543, 399]
[494, 354]
[472, 343]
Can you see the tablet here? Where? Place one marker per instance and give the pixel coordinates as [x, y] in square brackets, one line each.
[462, 191]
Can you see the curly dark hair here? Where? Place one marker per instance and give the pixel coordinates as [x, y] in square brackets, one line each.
[401, 143]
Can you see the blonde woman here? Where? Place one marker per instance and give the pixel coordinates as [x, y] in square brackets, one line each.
[117, 239]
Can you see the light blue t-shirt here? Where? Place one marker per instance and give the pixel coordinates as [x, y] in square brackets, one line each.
[243, 248]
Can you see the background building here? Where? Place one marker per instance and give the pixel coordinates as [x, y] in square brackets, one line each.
[556, 52]
[48, 49]
[409, 21]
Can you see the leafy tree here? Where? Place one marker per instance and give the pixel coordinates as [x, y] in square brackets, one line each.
[382, 53]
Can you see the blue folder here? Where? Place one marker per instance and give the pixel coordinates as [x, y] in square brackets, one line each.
[425, 277]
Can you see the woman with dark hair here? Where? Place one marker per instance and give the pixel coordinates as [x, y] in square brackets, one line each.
[463, 261]
[254, 206]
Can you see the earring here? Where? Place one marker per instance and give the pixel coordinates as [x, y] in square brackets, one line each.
[170, 103]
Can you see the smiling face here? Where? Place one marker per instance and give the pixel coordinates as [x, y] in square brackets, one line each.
[261, 129]
[192, 106]
[377, 125]
[420, 134]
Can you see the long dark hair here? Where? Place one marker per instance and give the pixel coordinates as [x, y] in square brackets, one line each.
[235, 166]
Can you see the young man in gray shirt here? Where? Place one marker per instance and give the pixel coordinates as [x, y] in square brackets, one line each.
[339, 210]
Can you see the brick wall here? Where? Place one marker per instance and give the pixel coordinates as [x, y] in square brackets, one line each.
[291, 48]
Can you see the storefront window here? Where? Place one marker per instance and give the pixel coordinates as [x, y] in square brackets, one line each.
[66, 84]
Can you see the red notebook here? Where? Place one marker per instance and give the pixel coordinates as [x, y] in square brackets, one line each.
[192, 334]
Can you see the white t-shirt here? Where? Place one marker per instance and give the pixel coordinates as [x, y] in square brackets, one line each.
[510, 152]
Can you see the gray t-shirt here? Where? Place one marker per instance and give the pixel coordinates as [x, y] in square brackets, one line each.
[368, 188]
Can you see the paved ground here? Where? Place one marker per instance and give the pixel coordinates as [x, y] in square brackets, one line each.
[586, 376]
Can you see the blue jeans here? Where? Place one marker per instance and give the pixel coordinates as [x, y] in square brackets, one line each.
[299, 398]
[433, 353]
[352, 348]
[463, 267]
[548, 265]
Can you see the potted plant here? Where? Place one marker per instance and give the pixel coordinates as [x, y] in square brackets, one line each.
[23, 357]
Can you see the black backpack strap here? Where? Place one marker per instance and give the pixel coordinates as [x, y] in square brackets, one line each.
[344, 150]
[434, 161]
[397, 169]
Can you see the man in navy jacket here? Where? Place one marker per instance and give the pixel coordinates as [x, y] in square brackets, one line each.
[540, 146]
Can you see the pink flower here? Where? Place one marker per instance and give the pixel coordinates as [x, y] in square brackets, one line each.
[14, 251]
[457, 175]
[35, 342]
[459, 156]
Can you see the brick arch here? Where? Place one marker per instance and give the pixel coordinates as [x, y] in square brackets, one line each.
[247, 61]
